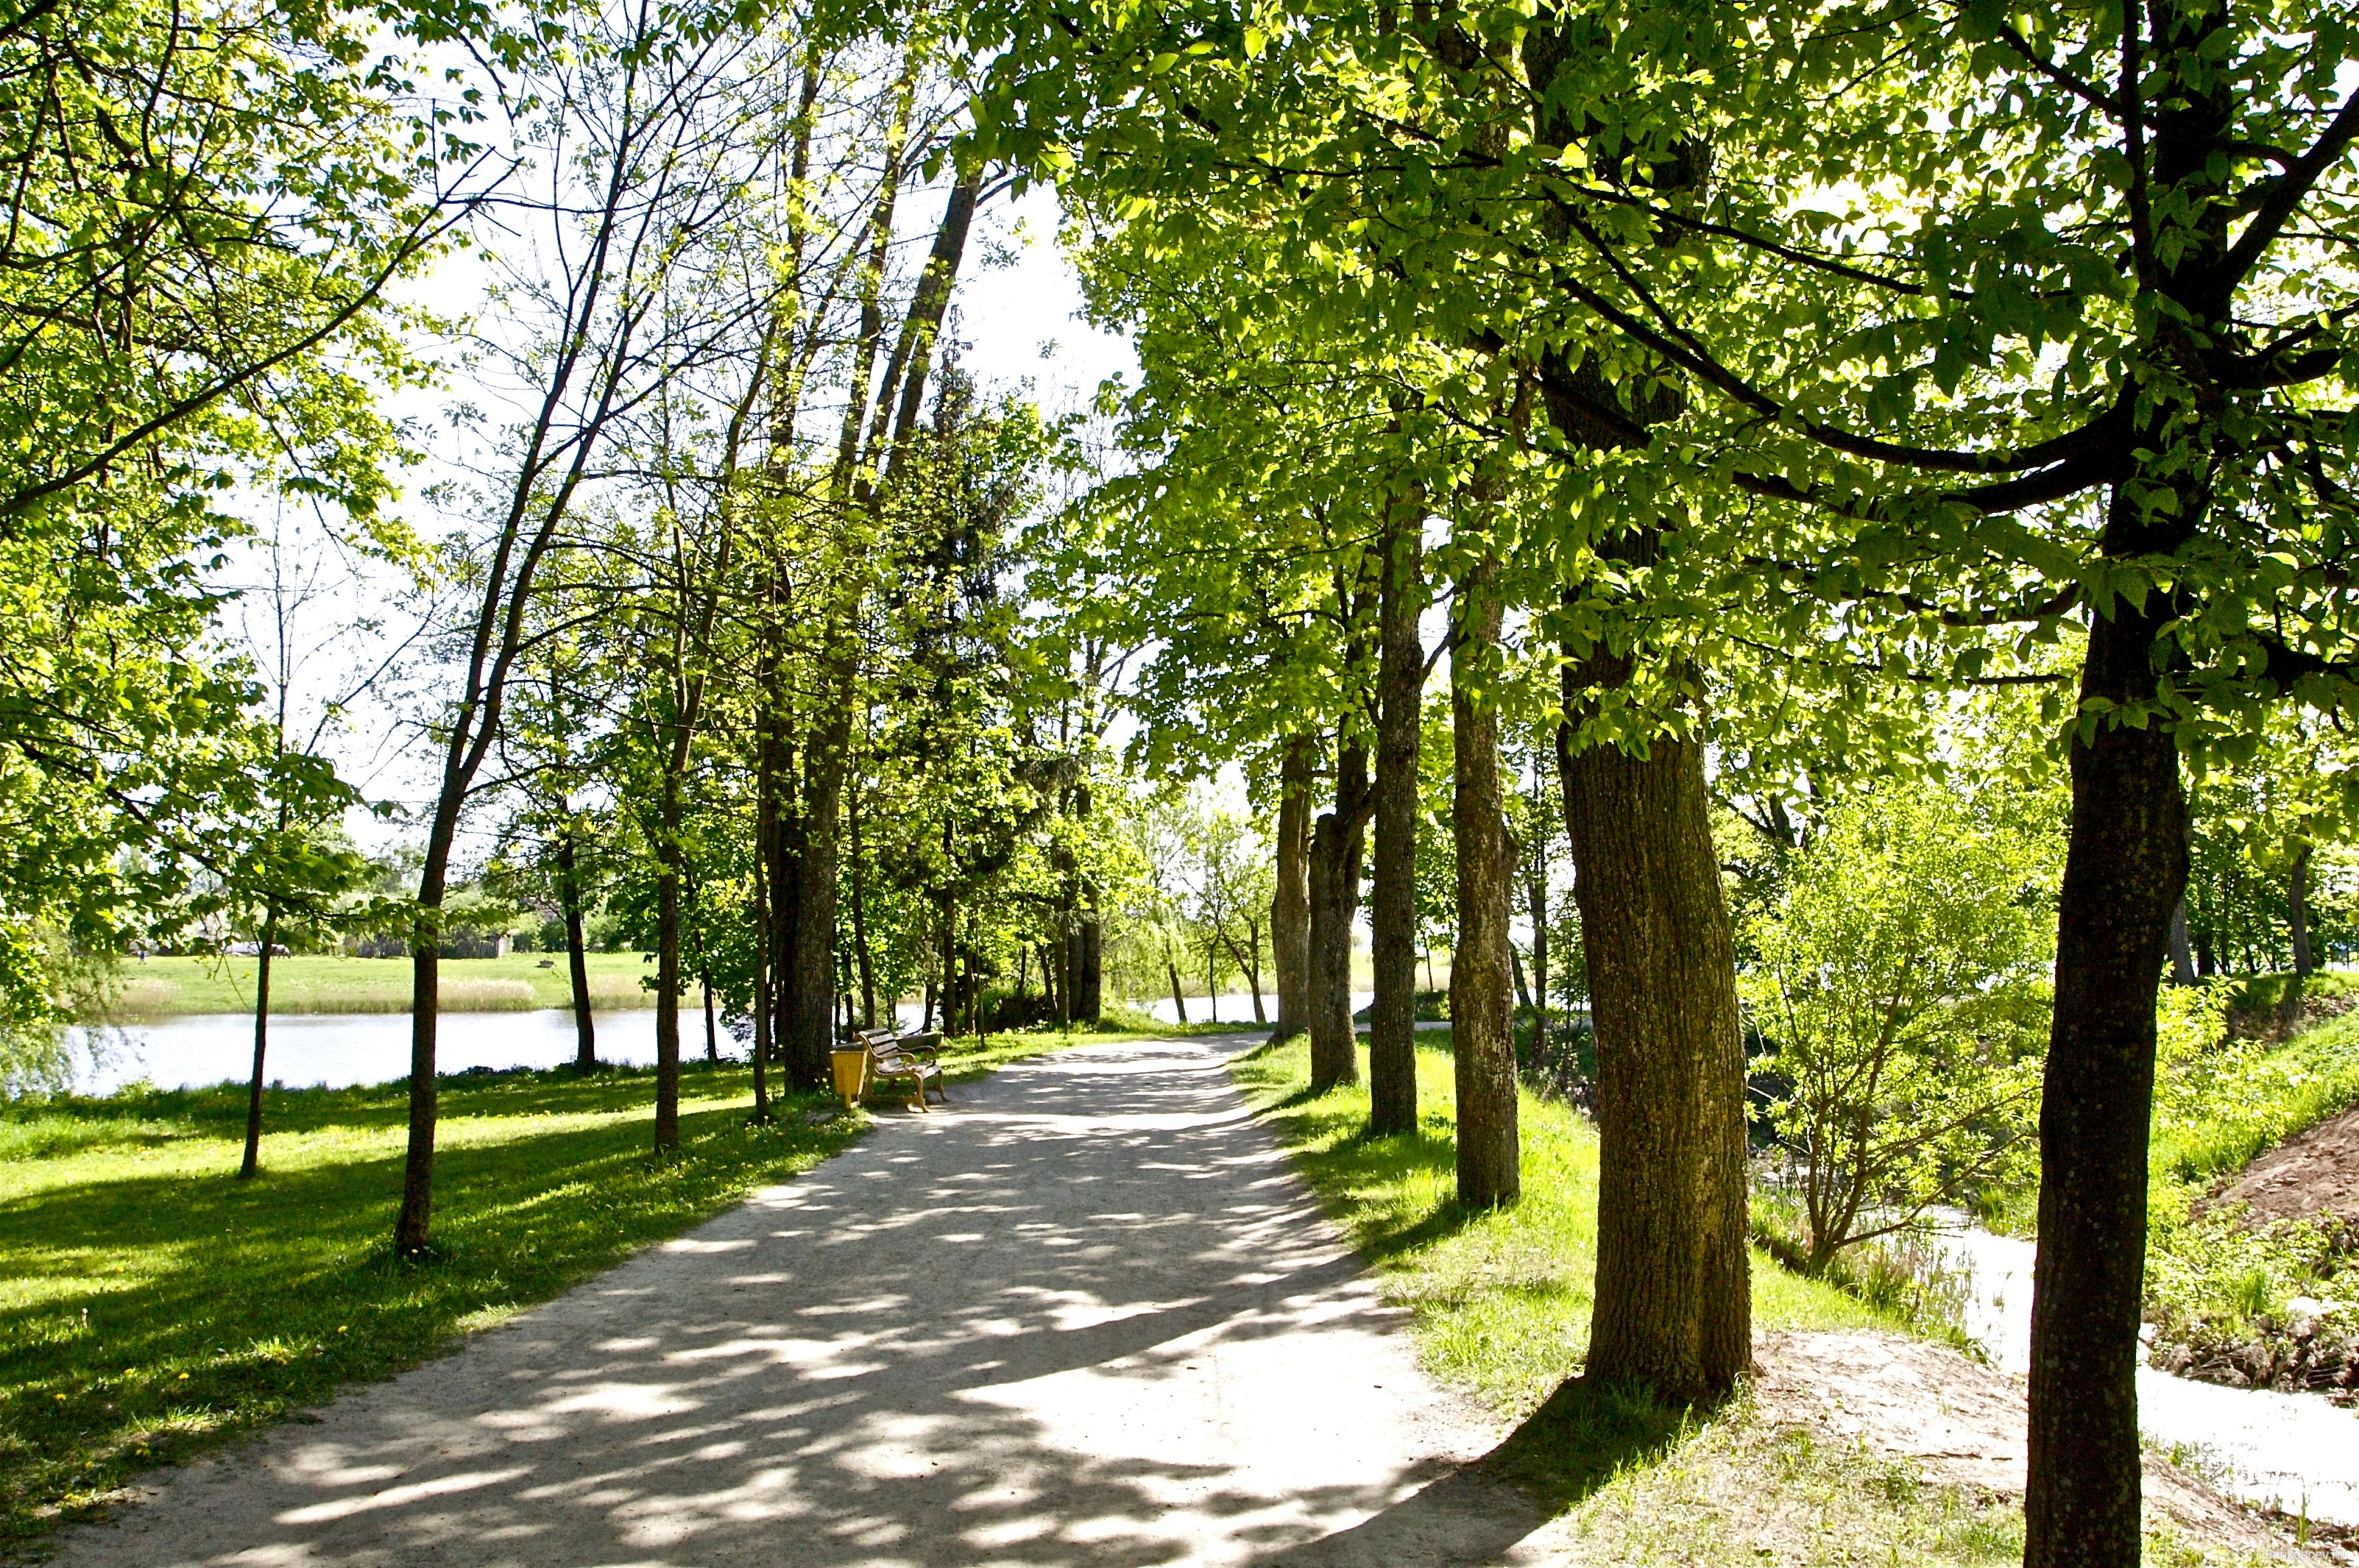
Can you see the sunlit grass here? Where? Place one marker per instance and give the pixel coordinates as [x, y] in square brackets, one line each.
[1502, 1299]
[150, 1303]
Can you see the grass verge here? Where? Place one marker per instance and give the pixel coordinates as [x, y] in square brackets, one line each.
[1502, 1298]
[151, 1305]
[1501, 1302]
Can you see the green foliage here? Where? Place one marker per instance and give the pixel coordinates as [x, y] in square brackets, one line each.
[150, 1305]
[1901, 988]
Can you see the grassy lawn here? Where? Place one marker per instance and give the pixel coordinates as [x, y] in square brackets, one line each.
[150, 1304]
[161, 988]
[1501, 1302]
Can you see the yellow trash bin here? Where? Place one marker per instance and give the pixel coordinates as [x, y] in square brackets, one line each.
[851, 1074]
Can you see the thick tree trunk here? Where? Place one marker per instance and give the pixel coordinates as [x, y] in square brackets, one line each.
[1335, 841]
[1673, 1299]
[577, 958]
[1289, 905]
[251, 1166]
[1482, 1038]
[1400, 684]
[809, 1034]
[1089, 972]
[2124, 871]
[2297, 913]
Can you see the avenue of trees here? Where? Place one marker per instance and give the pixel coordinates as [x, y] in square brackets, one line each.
[1891, 463]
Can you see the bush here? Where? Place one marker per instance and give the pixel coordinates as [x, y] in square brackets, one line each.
[1900, 994]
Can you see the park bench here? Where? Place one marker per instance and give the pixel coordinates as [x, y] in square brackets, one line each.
[912, 1056]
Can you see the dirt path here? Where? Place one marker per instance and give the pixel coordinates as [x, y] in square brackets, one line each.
[1083, 1316]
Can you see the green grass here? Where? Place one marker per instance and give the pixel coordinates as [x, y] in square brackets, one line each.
[2252, 1098]
[1501, 1298]
[1501, 1306]
[151, 1305]
[162, 988]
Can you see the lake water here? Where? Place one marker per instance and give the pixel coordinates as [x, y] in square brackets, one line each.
[341, 1049]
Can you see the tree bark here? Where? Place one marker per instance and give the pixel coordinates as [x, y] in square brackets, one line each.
[2182, 957]
[1400, 684]
[577, 958]
[2124, 871]
[810, 1033]
[1673, 1298]
[668, 968]
[1334, 896]
[251, 1166]
[1289, 905]
[1179, 1003]
[761, 987]
[859, 921]
[1482, 1038]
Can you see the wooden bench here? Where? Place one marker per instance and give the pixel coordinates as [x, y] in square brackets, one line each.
[912, 1056]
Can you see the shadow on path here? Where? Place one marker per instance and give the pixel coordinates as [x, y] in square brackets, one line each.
[1084, 1315]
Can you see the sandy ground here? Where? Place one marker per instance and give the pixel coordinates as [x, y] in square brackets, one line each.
[1961, 1422]
[2313, 1174]
[1084, 1315]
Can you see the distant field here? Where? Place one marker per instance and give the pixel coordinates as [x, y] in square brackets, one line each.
[161, 988]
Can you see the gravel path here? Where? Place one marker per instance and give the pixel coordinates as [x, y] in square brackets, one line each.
[1084, 1315]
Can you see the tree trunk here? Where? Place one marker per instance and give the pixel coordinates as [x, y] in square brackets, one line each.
[577, 958]
[2297, 913]
[1401, 683]
[1252, 969]
[411, 1232]
[1089, 973]
[859, 921]
[761, 990]
[1536, 887]
[2124, 871]
[668, 985]
[1212, 983]
[2182, 958]
[251, 1166]
[1289, 906]
[1085, 992]
[809, 1034]
[1482, 1038]
[1673, 1299]
[1334, 880]
[1179, 1003]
